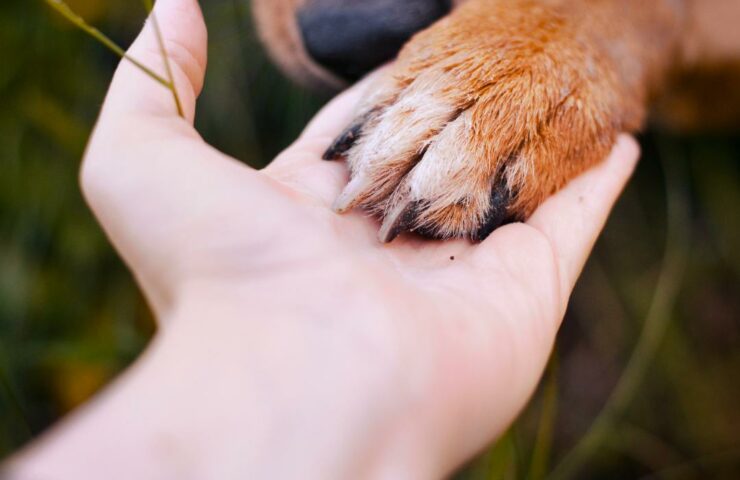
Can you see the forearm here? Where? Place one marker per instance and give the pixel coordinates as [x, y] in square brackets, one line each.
[276, 392]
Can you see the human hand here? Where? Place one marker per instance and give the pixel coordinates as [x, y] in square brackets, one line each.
[292, 342]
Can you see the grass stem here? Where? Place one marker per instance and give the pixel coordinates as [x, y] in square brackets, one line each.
[62, 8]
[165, 57]
[542, 450]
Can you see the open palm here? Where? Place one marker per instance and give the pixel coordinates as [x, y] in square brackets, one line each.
[459, 333]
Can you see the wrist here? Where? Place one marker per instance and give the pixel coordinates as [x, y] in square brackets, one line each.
[316, 388]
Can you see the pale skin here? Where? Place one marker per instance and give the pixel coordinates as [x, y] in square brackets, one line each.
[293, 344]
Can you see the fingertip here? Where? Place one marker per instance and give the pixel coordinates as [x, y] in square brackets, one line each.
[186, 37]
[625, 154]
[143, 90]
[630, 142]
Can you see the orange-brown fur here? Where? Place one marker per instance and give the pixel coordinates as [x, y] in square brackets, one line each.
[532, 92]
[542, 98]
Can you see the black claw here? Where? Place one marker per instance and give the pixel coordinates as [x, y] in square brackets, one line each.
[398, 221]
[498, 213]
[346, 139]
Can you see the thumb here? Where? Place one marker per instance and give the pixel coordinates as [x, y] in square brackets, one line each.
[147, 174]
[179, 26]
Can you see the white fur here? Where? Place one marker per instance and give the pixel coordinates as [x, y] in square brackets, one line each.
[405, 127]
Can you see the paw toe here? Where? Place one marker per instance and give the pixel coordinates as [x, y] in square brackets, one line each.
[498, 213]
[346, 139]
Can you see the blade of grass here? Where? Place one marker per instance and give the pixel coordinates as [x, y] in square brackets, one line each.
[62, 8]
[498, 462]
[165, 56]
[656, 323]
[546, 427]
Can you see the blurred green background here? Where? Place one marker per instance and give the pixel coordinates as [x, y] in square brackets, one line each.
[71, 316]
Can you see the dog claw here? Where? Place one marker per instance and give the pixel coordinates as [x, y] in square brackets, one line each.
[351, 196]
[498, 213]
[346, 139]
[400, 218]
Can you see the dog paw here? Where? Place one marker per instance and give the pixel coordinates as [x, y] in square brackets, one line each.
[482, 117]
